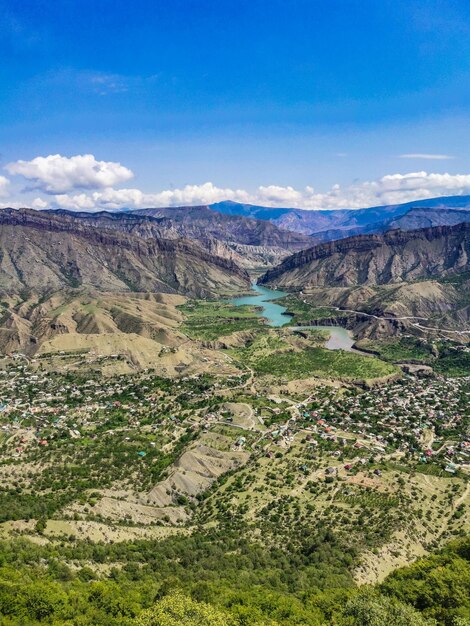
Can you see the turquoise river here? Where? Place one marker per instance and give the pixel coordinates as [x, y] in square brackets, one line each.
[275, 314]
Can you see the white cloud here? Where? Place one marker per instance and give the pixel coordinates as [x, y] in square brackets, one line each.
[13, 205]
[59, 174]
[105, 84]
[39, 203]
[206, 193]
[390, 189]
[92, 82]
[78, 202]
[395, 188]
[4, 182]
[135, 198]
[283, 195]
[431, 157]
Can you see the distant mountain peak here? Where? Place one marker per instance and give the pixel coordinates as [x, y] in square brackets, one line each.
[333, 224]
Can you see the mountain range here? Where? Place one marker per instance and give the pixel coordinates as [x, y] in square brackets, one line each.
[398, 282]
[376, 259]
[337, 223]
[250, 242]
[205, 250]
[289, 229]
[45, 251]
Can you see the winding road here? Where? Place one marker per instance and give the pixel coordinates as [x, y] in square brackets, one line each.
[395, 318]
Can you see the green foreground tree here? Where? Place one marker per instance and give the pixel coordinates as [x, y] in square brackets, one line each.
[177, 609]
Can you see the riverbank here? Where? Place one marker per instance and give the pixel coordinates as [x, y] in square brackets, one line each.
[277, 315]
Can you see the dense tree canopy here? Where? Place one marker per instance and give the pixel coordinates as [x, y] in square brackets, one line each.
[191, 581]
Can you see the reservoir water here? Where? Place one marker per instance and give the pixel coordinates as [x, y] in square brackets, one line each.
[275, 314]
[264, 298]
[339, 339]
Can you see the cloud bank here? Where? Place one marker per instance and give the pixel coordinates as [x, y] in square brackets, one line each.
[83, 183]
[390, 189]
[57, 174]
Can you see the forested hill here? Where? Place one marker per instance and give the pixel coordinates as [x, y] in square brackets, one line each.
[215, 580]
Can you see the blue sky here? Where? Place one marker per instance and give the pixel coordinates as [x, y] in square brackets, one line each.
[284, 102]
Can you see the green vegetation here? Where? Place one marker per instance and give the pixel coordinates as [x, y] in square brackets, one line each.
[250, 584]
[443, 357]
[303, 312]
[209, 320]
[322, 362]
[402, 349]
[212, 580]
[272, 352]
[453, 362]
[263, 343]
[373, 609]
[460, 278]
[229, 499]
[461, 282]
[73, 468]
[438, 585]
[177, 609]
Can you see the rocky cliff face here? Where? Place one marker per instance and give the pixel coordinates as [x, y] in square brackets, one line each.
[249, 243]
[44, 251]
[377, 259]
[201, 222]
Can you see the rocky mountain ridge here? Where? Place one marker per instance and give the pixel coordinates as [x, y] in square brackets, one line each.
[44, 251]
[429, 217]
[248, 242]
[200, 221]
[377, 259]
[329, 224]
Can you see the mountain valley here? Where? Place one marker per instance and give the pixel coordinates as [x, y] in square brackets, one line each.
[235, 313]
[156, 438]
